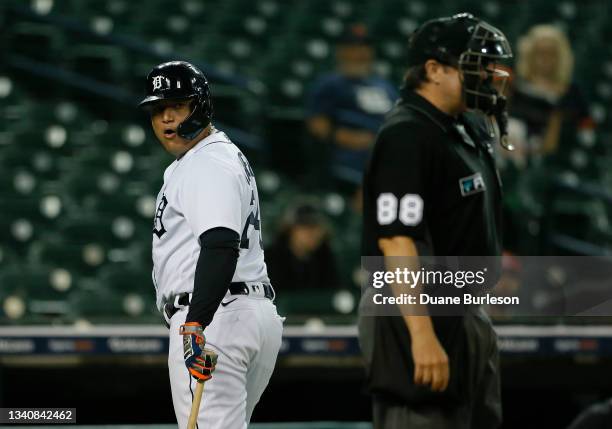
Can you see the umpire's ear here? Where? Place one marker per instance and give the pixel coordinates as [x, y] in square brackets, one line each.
[433, 71]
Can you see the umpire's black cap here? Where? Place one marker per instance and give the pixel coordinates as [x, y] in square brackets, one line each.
[446, 39]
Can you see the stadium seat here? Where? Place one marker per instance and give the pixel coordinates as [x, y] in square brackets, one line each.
[96, 303]
[84, 259]
[46, 288]
[32, 157]
[103, 63]
[123, 277]
[315, 302]
[101, 302]
[34, 40]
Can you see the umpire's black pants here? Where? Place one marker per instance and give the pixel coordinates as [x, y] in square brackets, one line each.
[481, 407]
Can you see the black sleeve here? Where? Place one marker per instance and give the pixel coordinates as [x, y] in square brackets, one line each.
[213, 274]
[402, 176]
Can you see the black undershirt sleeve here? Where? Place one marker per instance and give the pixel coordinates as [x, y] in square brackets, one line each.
[213, 274]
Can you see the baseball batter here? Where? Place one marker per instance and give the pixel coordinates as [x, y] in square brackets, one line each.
[208, 262]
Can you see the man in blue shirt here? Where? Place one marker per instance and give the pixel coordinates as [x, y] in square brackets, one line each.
[345, 108]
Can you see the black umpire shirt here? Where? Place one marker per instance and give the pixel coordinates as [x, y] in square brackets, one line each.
[431, 177]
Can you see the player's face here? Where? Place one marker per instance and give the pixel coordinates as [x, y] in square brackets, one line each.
[166, 116]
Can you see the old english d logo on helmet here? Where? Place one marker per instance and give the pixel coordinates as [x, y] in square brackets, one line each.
[160, 83]
[176, 80]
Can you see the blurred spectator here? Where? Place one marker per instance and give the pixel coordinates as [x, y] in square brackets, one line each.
[548, 121]
[302, 256]
[545, 103]
[346, 107]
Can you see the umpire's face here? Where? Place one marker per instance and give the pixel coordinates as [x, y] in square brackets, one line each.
[446, 82]
[166, 116]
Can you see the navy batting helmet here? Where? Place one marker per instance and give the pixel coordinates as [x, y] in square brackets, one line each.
[181, 80]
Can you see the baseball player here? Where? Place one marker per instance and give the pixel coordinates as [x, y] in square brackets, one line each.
[432, 188]
[208, 262]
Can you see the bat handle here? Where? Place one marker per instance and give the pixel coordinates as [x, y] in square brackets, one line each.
[195, 405]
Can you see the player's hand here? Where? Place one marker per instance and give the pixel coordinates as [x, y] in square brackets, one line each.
[199, 361]
[431, 366]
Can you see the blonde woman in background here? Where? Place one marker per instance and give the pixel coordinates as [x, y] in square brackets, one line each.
[551, 129]
[546, 103]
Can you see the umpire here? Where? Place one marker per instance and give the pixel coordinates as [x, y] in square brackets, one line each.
[432, 187]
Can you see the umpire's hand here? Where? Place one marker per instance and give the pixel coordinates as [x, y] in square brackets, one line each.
[430, 362]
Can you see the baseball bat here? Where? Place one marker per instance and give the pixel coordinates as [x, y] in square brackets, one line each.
[195, 405]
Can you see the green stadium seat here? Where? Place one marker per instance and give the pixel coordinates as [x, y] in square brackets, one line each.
[100, 62]
[34, 40]
[44, 208]
[95, 303]
[18, 182]
[13, 307]
[17, 232]
[102, 301]
[31, 157]
[47, 135]
[315, 301]
[101, 157]
[81, 186]
[10, 94]
[114, 230]
[84, 259]
[173, 23]
[131, 136]
[86, 229]
[124, 277]
[140, 207]
[46, 288]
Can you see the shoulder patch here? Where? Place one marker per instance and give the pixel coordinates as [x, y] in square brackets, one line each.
[472, 184]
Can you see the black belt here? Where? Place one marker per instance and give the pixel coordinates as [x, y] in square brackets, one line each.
[237, 288]
[241, 288]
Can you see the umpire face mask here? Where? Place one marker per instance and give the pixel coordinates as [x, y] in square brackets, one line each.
[477, 65]
[478, 90]
[486, 46]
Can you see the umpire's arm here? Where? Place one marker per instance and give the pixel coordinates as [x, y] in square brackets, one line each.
[431, 366]
[403, 182]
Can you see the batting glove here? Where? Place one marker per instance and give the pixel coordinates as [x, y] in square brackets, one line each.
[199, 361]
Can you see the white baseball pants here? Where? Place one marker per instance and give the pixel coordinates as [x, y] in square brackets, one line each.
[246, 334]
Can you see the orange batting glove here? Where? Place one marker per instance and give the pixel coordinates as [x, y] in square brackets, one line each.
[199, 361]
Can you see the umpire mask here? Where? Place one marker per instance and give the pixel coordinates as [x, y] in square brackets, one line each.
[486, 46]
[474, 47]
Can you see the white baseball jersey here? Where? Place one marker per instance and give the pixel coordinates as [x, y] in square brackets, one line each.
[211, 186]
